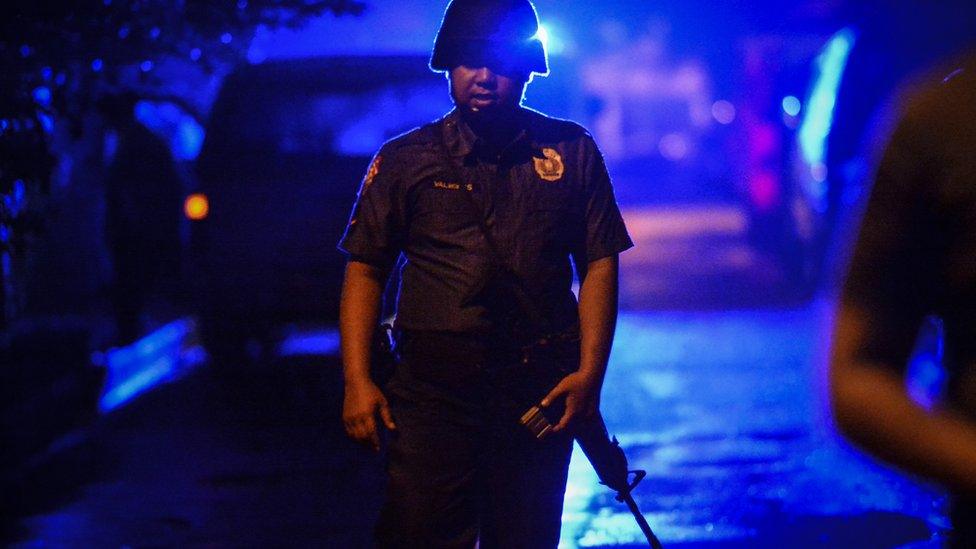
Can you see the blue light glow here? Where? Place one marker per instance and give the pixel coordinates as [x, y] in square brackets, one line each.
[226, 38]
[189, 139]
[815, 127]
[543, 35]
[146, 66]
[195, 54]
[162, 356]
[96, 65]
[184, 134]
[551, 42]
[823, 96]
[42, 95]
[313, 342]
[46, 122]
[791, 105]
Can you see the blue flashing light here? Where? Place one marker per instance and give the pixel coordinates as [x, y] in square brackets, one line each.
[146, 66]
[96, 65]
[816, 125]
[791, 105]
[195, 54]
[47, 73]
[226, 38]
[42, 95]
[25, 51]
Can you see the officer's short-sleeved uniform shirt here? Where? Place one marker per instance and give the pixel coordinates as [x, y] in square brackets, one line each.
[547, 202]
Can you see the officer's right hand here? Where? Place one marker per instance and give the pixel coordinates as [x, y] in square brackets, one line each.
[363, 401]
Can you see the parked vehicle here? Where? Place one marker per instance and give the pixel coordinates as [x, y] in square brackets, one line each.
[287, 145]
[855, 89]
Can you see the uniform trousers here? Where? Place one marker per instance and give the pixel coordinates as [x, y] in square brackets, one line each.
[461, 468]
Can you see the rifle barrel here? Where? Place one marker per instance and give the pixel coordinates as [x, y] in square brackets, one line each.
[641, 521]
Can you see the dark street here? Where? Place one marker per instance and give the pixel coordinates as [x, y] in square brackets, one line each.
[723, 409]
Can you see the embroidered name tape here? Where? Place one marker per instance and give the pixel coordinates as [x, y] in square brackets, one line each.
[452, 186]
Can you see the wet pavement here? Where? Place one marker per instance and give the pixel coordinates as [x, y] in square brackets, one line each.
[725, 410]
[727, 413]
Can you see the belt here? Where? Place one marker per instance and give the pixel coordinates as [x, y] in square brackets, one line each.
[461, 349]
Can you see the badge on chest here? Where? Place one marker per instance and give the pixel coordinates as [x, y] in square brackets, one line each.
[550, 167]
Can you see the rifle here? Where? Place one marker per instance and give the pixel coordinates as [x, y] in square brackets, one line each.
[605, 455]
[607, 459]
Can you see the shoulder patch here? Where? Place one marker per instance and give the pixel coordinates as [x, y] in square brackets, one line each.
[551, 167]
[374, 168]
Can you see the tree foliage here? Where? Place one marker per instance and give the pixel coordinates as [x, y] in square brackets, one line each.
[56, 57]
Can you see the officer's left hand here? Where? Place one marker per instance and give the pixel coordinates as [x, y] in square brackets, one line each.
[582, 395]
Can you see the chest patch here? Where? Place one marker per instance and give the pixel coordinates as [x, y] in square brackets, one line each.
[551, 167]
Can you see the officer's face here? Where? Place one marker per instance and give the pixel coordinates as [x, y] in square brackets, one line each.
[480, 89]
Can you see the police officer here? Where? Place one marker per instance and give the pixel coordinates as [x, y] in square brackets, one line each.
[490, 209]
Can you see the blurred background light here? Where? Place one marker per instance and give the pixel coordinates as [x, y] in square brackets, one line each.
[823, 96]
[196, 207]
[723, 111]
[791, 105]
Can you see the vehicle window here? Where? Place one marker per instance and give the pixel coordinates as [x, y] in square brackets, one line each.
[345, 124]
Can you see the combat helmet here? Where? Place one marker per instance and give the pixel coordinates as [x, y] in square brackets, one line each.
[500, 32]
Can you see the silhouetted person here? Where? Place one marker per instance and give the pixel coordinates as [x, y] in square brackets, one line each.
[143, 209]
[916, 255]
[490, 207]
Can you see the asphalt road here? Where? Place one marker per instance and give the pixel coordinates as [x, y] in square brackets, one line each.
[725, 410]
